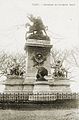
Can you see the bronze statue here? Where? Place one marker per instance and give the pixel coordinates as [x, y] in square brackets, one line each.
[41, 73]
[37, 30]
[15, 69]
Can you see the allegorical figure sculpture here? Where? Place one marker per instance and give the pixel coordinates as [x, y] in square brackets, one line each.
[41, 73]
[37, 30]
[59, 71]
[15, 69]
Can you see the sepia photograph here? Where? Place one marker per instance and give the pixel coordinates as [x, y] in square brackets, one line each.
[39, 60]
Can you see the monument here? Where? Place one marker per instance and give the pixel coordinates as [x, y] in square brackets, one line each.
[37, 49]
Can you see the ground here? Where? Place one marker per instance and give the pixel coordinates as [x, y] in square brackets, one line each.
[51, 114]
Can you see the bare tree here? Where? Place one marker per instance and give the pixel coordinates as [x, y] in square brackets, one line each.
[59, 55]
[6, 61]
[67, 59]
[75, 56]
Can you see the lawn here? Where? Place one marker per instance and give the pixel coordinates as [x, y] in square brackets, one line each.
[51, 114]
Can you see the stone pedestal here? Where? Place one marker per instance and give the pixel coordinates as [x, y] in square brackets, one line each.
[37, 54]
[28, 84]
[60, 85]
[14, 84]
[41, 87]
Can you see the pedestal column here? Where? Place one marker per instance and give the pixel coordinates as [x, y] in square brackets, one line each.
[38, 55]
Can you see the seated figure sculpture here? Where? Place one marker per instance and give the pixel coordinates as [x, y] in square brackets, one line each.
[41, 73]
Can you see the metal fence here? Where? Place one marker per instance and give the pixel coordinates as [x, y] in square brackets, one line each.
[22, 98]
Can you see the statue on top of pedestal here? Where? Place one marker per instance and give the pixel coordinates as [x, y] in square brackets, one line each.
[41, 73]
[37, 30]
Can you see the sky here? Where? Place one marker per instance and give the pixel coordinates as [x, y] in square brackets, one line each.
[61, 17]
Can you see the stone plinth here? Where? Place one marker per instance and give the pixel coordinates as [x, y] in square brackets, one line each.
[60, 85]
[41, 87]
[28, 84]
[14, 84]
[35, 48]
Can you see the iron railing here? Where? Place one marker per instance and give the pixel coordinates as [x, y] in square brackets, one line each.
[5, 97]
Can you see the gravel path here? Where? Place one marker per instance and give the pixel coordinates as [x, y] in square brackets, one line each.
[54, 114]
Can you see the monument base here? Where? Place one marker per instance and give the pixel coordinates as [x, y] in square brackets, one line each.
[41, 87]
[60, 85]
[28, 84]
[14, 84]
